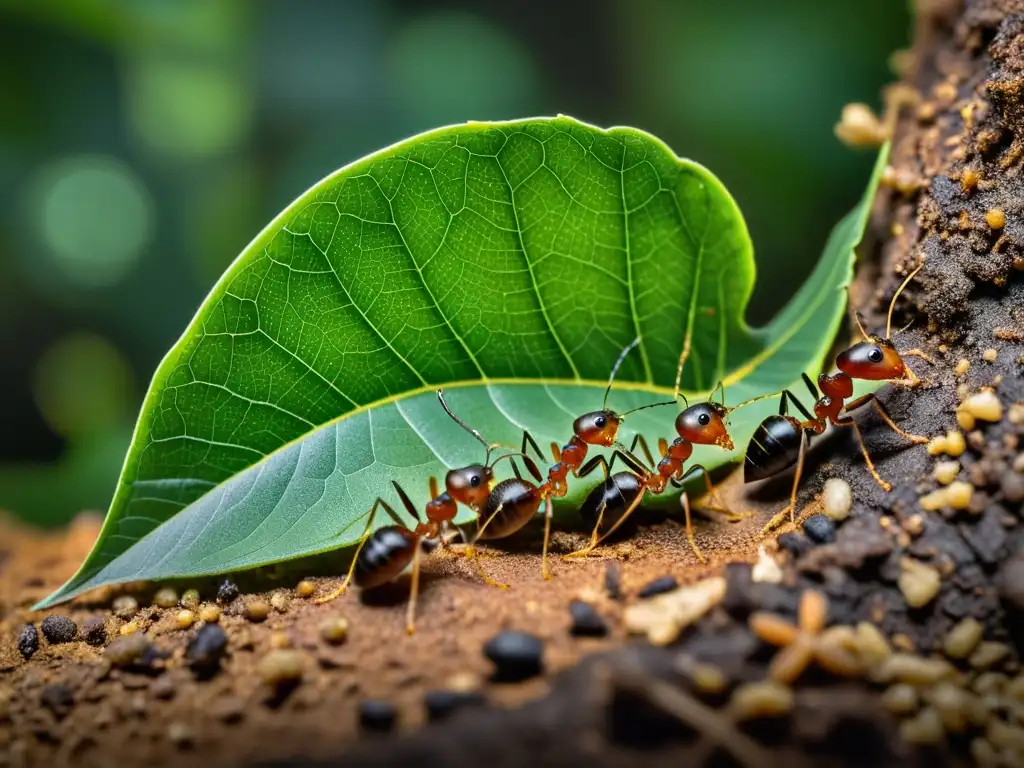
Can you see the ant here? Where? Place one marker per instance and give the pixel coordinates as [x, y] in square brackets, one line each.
[389, 552]
[620, 495]
[779, 441]
[514, 502]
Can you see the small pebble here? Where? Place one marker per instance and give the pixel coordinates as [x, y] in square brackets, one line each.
[901, 699]
[280, 639]
[963, 638]
[984, 405]
[280, 601]
[516, 655]
[180, 735]
[795, 543]
[377, 716]
[125, 606]
[441, 704]
[185, 619]
[163, 688]
[206, 649]
[837, 498]
[28, 641]
[765, 570]
[958, 494]
[820, 529]
[59, 629]
[209, 613]
[945, 472]
[227, 591]
[995, 218]
[165, 598]
[1012, 486]
[257, 610]
[988, 654]
[918, 582]
[130, 628]
[913, 669]
[93, 631]
[334, 629]
[925, 728]
[659, 586]
[305, 588]
[708, 679]
[962, 366]
[952, 444]
[281, 667]
[753, 701]
[190, 599]
[613, 580]
[872, 647]
[586, 621]
[125, 651]
[989, 355]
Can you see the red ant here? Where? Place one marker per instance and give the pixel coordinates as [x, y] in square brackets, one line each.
[620, 495]
[779, 441]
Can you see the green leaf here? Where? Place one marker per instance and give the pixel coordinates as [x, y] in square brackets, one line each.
[507, 262]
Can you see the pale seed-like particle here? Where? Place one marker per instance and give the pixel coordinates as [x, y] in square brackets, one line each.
[988, 654]
[209, 613]
[958, 494]
[280, 602]
[305, 588]
[995, 218]
[859, 127]
[812, 611]
[963, 638]
[837, 498]
[179, 734]
[664, 616]
[989, 355]
[984, 405]
[708, 679]
[912, 669]
[933, 501]
[1017, 418]
[982, 753]
[281, 667]
[772, 628]
[837, 660]
[1015, 689]
[962, 366]
[790, 662]
[952, 444]
[280, 640]
[129, 628]
[462, 682]
[913, 525]
[945, 472]
[765, 570]
[952, 704]
[989, 684]
[1004, 736]
[924, 728]
[901, 699]
[125, 606]
[185, 618]
[257, 610]
[334, 629]
[763, 699]
[190, 599]
[872, 647]
[918, 582]
[964, 420]
[165, 598]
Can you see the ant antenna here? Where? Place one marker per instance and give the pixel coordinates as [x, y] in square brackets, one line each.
[905, 327]
[465, 426]
[649, 405]
[720, 385]
[615, 369]
[892, 304]
[856, 317]
[685, 401]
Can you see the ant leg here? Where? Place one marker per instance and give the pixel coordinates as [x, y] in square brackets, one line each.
[355, 556]
[414, 589]
[849, 422]
[919, 439]
[556, 452]
[644, 448]
[618, 523]
[433, 487]
[790, 508]
[471, 553]
[919, 353]
[548, 510]
[712, 492]
[662, 447]
[528, 440]
[684, 500]
[594, 463]
[594, 537]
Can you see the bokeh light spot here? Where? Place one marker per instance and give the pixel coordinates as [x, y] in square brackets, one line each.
[84, 386]
[94, 215]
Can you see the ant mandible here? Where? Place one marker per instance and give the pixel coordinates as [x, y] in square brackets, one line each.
[781, 441]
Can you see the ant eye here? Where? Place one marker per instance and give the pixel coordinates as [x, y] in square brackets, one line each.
[704, 419]
[474, 481]
[600, 421]
[875, 355]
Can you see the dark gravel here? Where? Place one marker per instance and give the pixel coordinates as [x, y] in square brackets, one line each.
[58, 698]
[658, 586]
[59, 629]
[206, 649]
[795, 543]
[28, 641]
[377, 716]
[516, 655]
[820, 529]
[441, 703]
[227, 592]
[93, 631]
[586, 621]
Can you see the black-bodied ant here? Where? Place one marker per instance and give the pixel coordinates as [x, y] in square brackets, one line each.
[781, 441]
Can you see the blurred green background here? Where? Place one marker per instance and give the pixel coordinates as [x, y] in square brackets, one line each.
[143, 144]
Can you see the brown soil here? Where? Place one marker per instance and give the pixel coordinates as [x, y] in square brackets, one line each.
[957, 157]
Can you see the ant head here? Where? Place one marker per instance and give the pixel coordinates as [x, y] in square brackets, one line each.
[470, 485]
[704, 424]
[874, 359]
[598, 427]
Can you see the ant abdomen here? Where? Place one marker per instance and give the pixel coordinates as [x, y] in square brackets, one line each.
[773, 448]
[511, 505]
[615, 495]
[386, 554]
